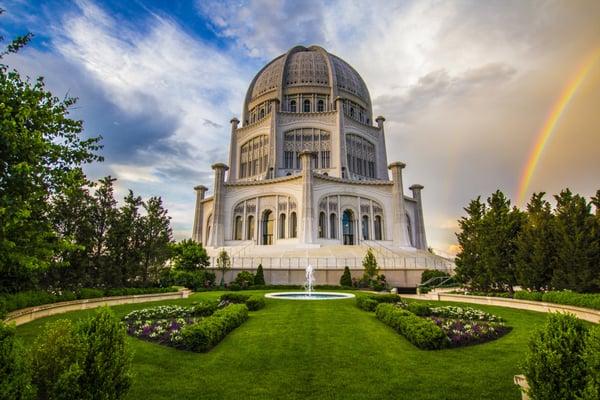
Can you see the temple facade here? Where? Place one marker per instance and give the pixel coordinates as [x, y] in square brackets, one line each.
[308, 174]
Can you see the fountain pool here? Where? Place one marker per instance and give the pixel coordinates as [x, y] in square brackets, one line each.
[309, 293]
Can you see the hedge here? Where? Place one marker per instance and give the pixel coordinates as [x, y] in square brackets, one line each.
[421, 332]
[369, 302]
[525, 295]
[208, 332]
[253, 302]
[32, 298]
[586, 300]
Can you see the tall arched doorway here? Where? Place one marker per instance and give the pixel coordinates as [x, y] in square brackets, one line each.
[348, 227]
[267, 227]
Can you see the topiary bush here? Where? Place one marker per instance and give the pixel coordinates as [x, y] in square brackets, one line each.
[591, 359]
[234, 297]
[15, 370]
[421, 332]
[208, 332]
[420, 309]
[58, 355]
[255, 302]
[369, 302]
[259, 278]
[244, 279]
[346, 278]
[107, 362]
[553, 364]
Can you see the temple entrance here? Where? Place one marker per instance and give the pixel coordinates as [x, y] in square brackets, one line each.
[348, 227]
[267, 227]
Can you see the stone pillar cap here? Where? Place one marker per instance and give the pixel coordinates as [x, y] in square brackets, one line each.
[380, 118]
[200, 188]
[234, 119]
[416, 186]
[220, 165]
[398, 164]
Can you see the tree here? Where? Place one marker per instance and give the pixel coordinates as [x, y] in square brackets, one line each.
[469, 267]
[259, 278]
[346, 278]
[370, 265]
[576, 248]
[223, 264]
[156, 237]
[591, 358]
[41, 152]
[500, 227]
[189, 255]
[536, 245]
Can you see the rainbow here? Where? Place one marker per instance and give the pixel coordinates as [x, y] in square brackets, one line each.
[551, 121]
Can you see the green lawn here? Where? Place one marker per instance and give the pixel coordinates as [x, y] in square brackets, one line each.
[323, 350]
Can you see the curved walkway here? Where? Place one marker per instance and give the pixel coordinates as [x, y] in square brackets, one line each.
[586, 314]
[24, 315]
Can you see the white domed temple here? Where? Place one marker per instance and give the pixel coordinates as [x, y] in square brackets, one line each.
[308, 181]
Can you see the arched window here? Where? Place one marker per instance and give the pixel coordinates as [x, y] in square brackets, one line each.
[282, 226]
[348, 227]
[352, 111]
[333, 223]
[320, 106]
[250, 228]
[293, 106]
[322, 226]
[237, 229]
[365, 227]
[262, 113]
[208, 224]
[267, 227]
[306, 106]
[378, 228]
[293, 225]
[409, 230]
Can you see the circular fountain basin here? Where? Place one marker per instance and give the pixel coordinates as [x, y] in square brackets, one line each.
[306, 296]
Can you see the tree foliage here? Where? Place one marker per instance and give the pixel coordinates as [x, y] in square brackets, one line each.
[189, 256]
[370, 265]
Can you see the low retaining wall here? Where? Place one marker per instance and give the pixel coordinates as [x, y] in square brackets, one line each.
[24, 315]
[581, 313]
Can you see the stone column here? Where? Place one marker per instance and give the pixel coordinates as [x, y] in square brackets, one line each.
[421, 239]
[217, 231]
[233, 162]
[307, 213]
[381, 154]
[399, 223]
[199, 213]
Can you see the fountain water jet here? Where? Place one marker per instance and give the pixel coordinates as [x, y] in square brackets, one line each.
[310, 280]
[309, 293]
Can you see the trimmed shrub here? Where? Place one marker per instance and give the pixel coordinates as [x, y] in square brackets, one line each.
[57, 359]
[107, 363]
[15, 371]
[255, 302]
[526, 295]
[204, 308]
[245, 279]
[195, 280]
[420, 309]
[591, 358]
[346, 279]
[553, 365]
[421, 332]
[368, 302]
[86, 293]
[259, 278]
[208, 332]
[433, 273]
[234, 286]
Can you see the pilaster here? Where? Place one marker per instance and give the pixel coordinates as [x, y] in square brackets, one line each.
[399, 223]
[421, 239]
[198, 213]
[217, 231]
[307, 212]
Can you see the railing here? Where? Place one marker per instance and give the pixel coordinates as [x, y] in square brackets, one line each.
[384, 263]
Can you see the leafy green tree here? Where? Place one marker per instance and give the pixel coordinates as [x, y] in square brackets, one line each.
[370, 265]
[346, 278]
[156, 237]
[15, 369]
[500, 226]
[41, 151]
[223, 264]
[596, 237]
[259, 278]
[469, 263]
[536, 245]
[576, 248]
[189, 255]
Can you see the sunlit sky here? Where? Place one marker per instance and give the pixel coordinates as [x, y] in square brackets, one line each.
[465, 87]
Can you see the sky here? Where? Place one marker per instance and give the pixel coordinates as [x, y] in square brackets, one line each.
[466, 87]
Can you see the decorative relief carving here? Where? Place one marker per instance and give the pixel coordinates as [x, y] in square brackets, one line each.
[287, 118]
[307, 67]
[269, 79]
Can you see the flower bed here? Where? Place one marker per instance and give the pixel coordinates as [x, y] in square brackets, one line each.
[464, 313]
[463, 333]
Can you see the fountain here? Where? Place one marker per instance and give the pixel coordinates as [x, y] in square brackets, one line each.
[309, 293]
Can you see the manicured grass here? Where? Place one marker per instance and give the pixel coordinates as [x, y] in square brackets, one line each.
[323, 350]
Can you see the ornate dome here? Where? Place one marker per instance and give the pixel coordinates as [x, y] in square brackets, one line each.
[303, 69]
